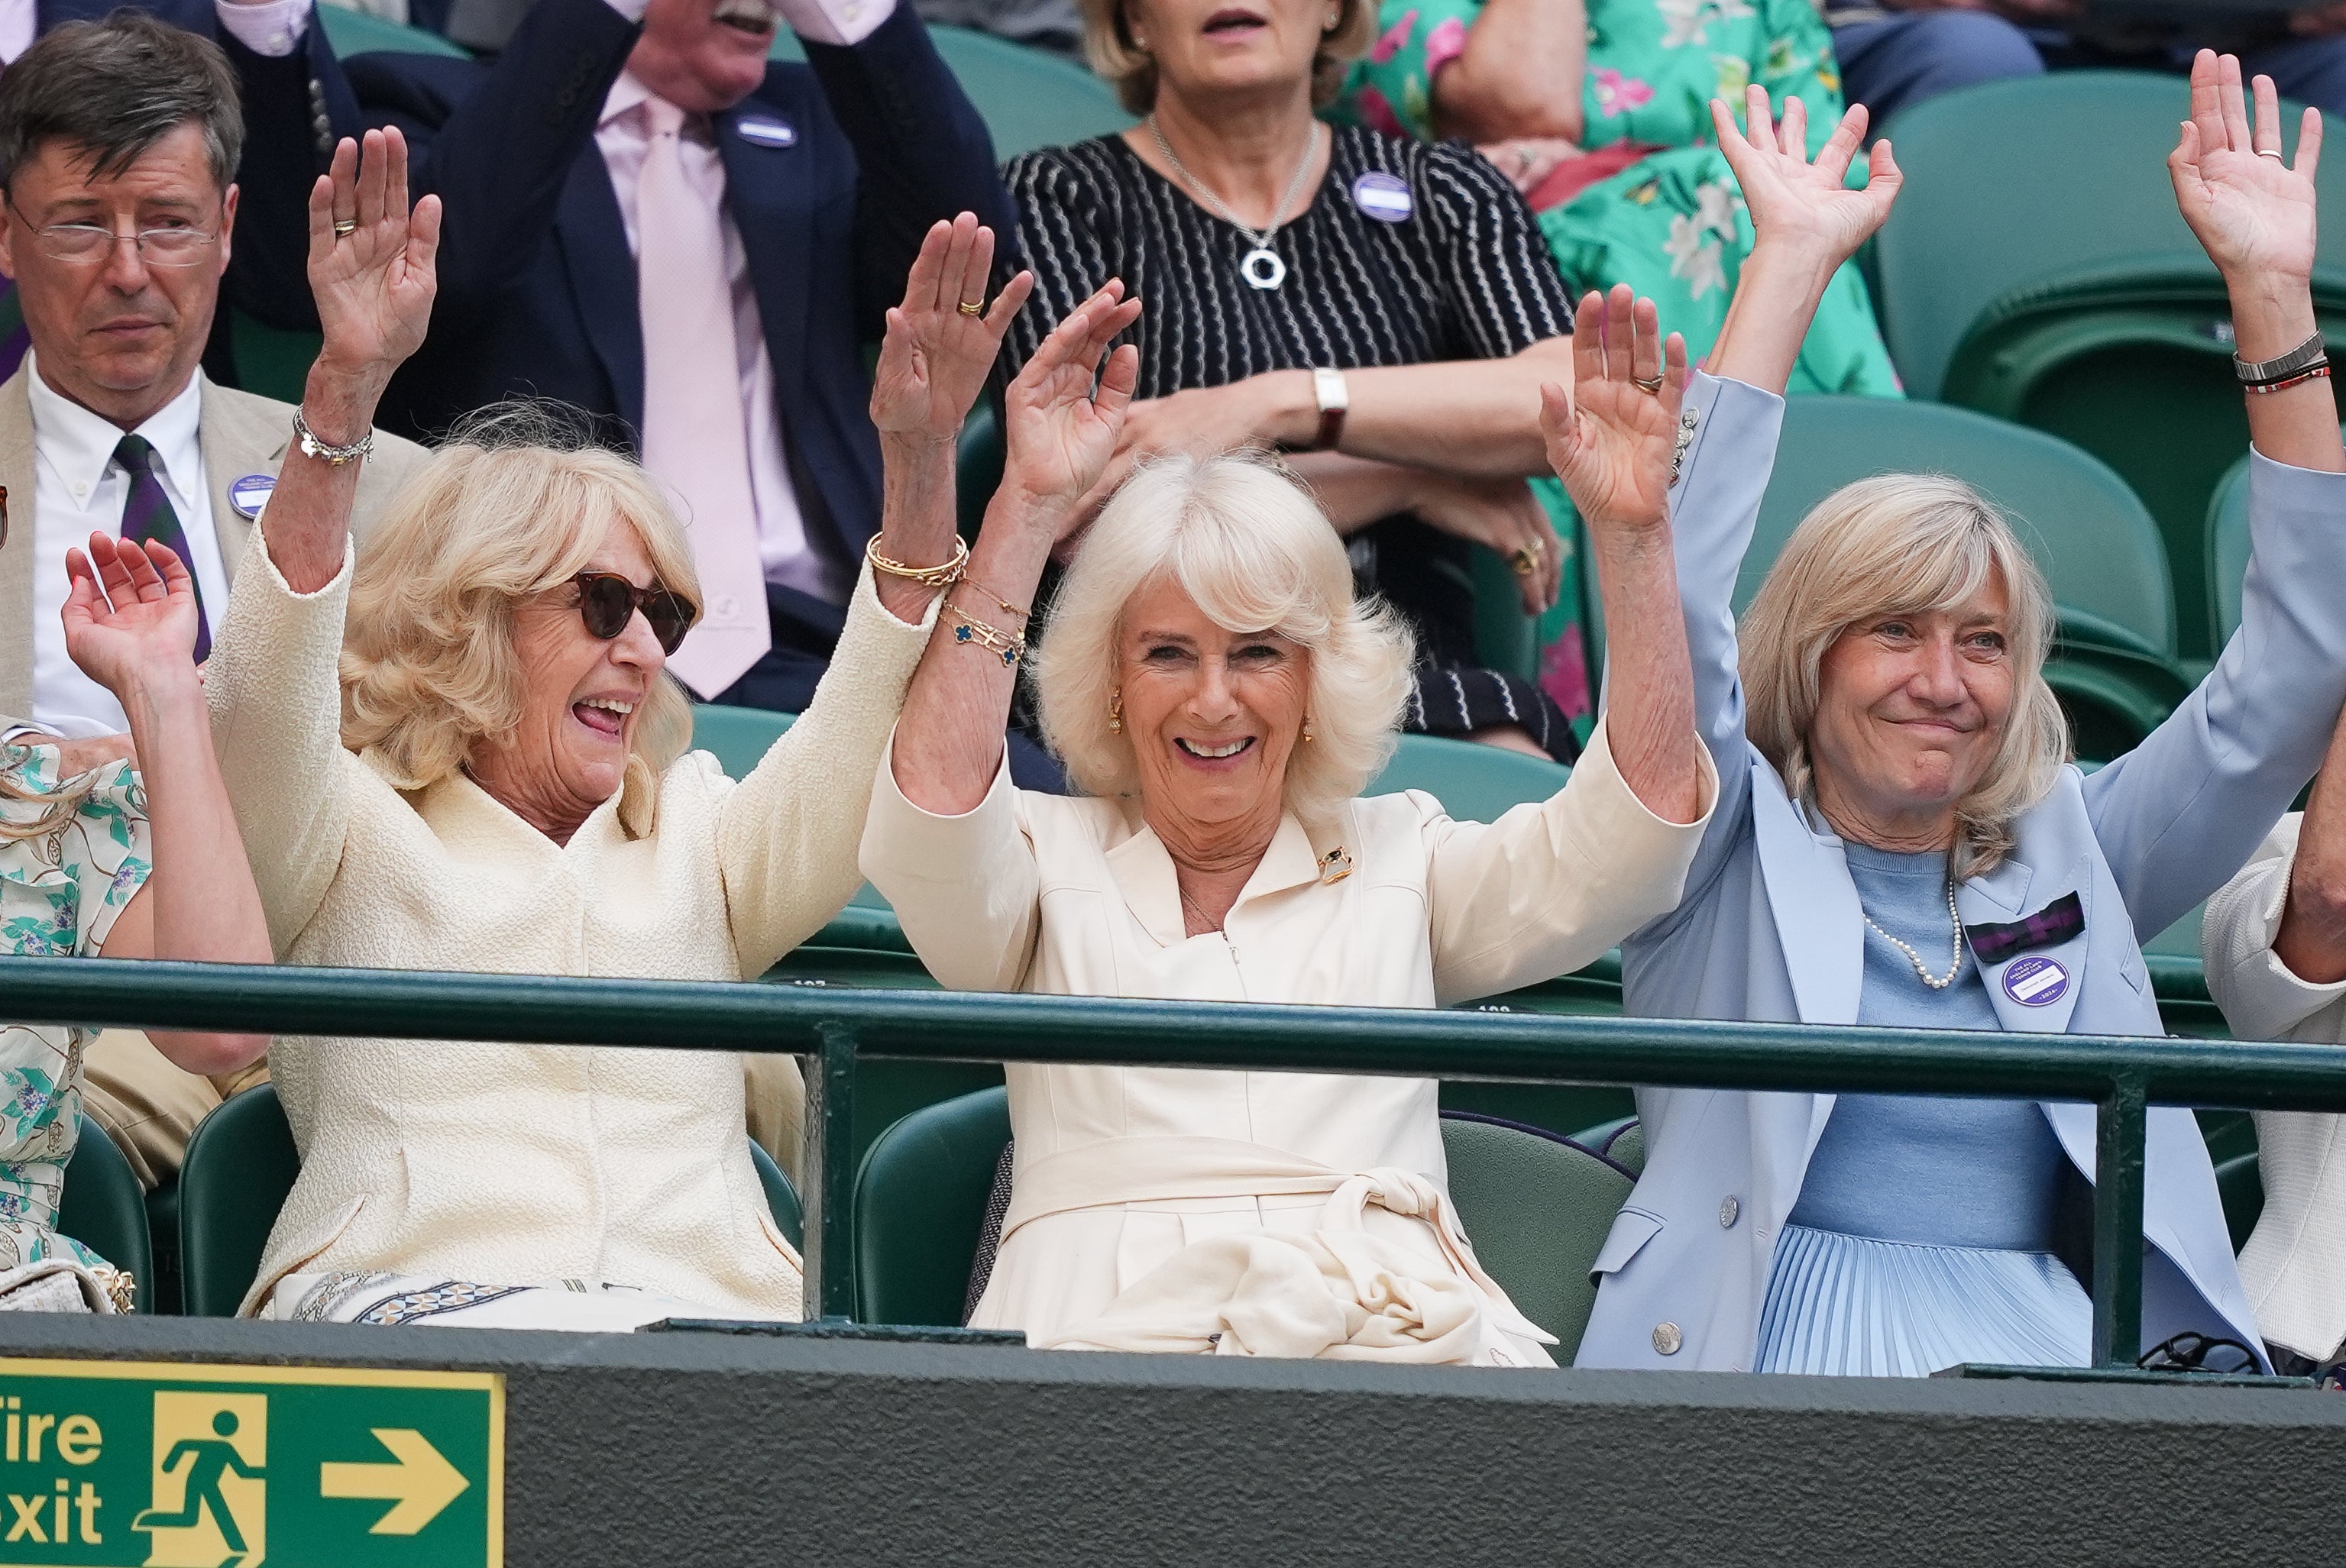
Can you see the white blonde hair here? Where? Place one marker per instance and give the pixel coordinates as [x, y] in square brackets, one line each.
[1252, 549]
[517, 502]
[1901, 544]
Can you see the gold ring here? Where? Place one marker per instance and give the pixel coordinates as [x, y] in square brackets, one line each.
[1644, 384]
[971, 306]
[345, 226]
[1524, 562]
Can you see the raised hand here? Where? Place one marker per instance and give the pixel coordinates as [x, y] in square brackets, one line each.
[1796, 202]
[1609, 439]
[936, 355]
[2251, 212]
[149, 629]
[1061, 430]
[375, 282]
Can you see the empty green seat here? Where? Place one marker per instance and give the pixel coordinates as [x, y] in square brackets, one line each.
[242, 1164]
[356, 32]
[104, 1207]
[920, 1208]
[1474, 783]
[2100, 551]
[2228, 551]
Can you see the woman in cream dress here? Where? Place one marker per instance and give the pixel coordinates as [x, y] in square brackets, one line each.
[1217, 690]
[484, 769]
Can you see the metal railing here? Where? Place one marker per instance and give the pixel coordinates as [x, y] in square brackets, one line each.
[836, 1027]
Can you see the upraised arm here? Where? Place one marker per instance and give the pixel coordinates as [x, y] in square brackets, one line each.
[137, 640]
[2176, 816]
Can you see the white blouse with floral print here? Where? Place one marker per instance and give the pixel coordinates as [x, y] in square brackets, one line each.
[60, 893]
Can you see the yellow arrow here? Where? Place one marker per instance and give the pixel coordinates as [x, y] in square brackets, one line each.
[421, 1481]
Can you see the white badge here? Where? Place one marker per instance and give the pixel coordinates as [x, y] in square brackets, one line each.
[767, 133]
[1383, 196]
[251, 494]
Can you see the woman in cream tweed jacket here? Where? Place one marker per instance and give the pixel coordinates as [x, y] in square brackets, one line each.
[481, 772]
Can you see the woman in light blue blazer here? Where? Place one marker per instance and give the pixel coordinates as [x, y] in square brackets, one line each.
[1898, 840]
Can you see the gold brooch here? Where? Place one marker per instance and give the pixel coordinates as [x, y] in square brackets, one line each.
[1335, 865]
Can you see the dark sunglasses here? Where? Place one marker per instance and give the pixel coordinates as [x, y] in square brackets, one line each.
[607, 602]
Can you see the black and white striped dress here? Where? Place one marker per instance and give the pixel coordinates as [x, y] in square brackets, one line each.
[1463, 275]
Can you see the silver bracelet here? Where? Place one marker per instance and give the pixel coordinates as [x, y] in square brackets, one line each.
[337, 455]
[2303, 357]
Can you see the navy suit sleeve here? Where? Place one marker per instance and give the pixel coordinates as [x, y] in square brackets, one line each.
[295, 108]
[497, 143]
[921, 153]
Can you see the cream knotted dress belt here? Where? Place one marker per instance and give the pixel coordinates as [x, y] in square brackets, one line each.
[1336, 1291]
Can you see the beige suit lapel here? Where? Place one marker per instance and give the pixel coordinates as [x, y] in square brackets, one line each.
[239, 434]
[16, 550]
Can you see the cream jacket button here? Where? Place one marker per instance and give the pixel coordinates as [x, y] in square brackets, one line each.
[1667, 1338]
[1728, 1209]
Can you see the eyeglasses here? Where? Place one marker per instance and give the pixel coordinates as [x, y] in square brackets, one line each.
[607, 602]
[175, 247]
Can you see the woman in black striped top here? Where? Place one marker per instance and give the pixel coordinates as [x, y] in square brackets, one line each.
[1413, 269]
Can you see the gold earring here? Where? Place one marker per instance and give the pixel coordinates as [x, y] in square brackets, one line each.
[1307, 728]
[1116, 712]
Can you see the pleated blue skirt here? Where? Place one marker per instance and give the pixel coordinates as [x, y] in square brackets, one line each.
[1854, 1306]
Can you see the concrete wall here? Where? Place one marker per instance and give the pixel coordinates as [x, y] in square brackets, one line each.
[709, 1450]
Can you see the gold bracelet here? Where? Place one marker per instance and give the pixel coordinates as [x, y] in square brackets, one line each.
[943, 575]
[1007, 607]
[991, 638]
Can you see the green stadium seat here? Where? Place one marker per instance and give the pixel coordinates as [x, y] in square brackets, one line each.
[920, 1208]
[240, 1162]
[1028, 98]
[2115, 667]
[240, 1166]
[103, 1207]
[2070, 296]
[1537, 1207]
[1474, 783]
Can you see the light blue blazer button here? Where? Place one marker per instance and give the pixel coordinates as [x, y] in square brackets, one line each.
[1667, 1338]
[1728, 1209]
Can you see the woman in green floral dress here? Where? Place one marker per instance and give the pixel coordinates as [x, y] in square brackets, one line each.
[111, 862]
[1622, 173]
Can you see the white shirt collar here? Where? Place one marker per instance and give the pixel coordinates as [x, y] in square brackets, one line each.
[79, 444]
[625, 96]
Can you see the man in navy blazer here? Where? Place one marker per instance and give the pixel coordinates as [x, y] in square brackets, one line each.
[830, 174]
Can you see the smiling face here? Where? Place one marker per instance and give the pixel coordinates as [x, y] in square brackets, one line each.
[113, 333]
[1910, 710]
[1213, 47]
[704, 56]
[581, 701]
[1213, 717]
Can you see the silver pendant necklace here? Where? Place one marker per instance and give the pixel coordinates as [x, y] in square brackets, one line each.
[1936, 983]
[1260, 267]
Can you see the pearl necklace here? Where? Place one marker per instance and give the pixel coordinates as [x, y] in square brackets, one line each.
[1937, 983]
[1262, 266]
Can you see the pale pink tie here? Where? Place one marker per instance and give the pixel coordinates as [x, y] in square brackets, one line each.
[694, 436]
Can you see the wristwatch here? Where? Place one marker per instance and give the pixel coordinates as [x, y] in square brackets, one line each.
[1328, 390]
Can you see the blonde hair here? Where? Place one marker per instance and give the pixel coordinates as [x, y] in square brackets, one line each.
[57, 807]
[1904, 544]
[1241, 537]
[1132, 71]
[516, 502]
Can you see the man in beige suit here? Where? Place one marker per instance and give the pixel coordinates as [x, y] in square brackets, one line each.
[118, 145]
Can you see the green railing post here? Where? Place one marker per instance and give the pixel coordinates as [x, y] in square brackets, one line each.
[2119, 1126]
[828, 1167]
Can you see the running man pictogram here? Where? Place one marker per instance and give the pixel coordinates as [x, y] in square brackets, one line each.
[208, 1460]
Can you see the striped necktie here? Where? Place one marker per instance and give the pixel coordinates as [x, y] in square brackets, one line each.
[148, 514]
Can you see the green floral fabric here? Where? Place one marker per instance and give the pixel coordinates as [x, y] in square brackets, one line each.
[1671, 225]
[59, 895]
